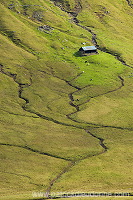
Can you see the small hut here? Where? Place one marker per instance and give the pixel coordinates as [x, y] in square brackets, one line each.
[88, 50]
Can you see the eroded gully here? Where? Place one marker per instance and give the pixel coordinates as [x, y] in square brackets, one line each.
[130, 3]
[74, 15]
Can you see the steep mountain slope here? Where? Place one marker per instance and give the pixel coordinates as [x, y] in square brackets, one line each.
[66, 121]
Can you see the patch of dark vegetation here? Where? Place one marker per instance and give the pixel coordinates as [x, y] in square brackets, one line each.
[38, 15]
[11, 35]
[62, 4]
[130, 3]
[45, 28]
[102, 12]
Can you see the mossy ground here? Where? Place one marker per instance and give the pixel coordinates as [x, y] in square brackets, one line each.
[43, 68]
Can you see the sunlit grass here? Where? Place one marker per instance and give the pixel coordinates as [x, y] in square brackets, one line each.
[42, 66]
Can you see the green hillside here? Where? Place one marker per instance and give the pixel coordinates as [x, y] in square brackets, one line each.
[66, 120]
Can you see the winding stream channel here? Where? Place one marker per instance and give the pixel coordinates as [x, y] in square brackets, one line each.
[71, 163]
[74, 15]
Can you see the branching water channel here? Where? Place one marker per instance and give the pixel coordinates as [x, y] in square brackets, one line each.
[74, 15]
[71, 163]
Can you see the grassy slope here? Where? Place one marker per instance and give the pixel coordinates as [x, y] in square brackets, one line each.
[99, 198]
[112, 21]
[111, 171]
[113, 109]
[43, 62]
